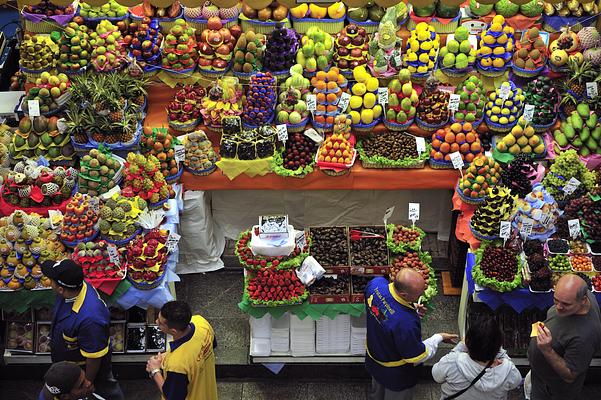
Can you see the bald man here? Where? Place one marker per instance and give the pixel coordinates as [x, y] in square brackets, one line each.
[394, 335]
[561, 352]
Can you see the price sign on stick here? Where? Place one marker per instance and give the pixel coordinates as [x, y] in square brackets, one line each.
[571, 186]
[504, 92]
[420, 144]
[301, 240]
[505, 231]
[55, 217]
[546, 219]
[574, 227]
[282, 131]
[529, 112]
[397, 57]
[388, 214]
[343, 102]
[33, 108]
[454, 102]
[313, 135]
[311, 102]
[180, 153]
[113, 254]
[172, 241]
[526, 229]
[457, 161]
[413, 212]
[382, 96]
[591, 90]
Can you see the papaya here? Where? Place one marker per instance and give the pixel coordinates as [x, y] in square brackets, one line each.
[569, 131]
[591, 144]
[585, 134]
[591, 122]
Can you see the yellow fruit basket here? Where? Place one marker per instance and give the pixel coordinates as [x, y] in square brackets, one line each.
[264, 27]
[328, 25]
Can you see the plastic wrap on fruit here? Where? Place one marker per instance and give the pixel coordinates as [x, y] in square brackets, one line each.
[228, 149]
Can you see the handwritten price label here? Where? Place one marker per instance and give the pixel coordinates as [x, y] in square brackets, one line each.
[382, 96]
[457, 160]
[592, 90]
[33, 108]
[420, 144]
[454, 102]
[388, 214]
[526, 229]
[546, 219]
[313, 135]
[574, 227]
[311, 102]
[529, 112]
[505, 230]
[113, 254]
[301, 240]
[344, 101]
[172, 241]
[95, 204]
[571, 186]
[282, 131]
[180, 153]
[504, 92]
[414, 212]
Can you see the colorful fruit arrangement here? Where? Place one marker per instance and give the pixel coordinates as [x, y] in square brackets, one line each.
[363, 106]
[224, 98]
[336, 10]
[98, 172]
[215, 46]
[335, 149]
[291, 108]
[49, 91]
[497, 268]
[298, 155]
[199, 152]
[567, 166]
[143, 178]
[496, 46]
[422, 46]
[458, 52]
[183, 113]
[37, 52]
[260, 100]
[457, 137]
[420, 262]
[497, 207]
[342, 126]
[144, 41]
[522, 139]
[118, 216]
[432, 110]
[160, 144]
[151, 11]
[317, 49]
[504, 106]
[147, 257]
[180, 47]
[351, 48]
[75, 48]
[274, 287]
[273, 12]
[482, 173]
[280, 51]
[531, 51]
[108, 52]
[327, 90]
[402, 99]
[97, 265]
[581, 130]
[587, 210]
[251, 261]
[249, 51]
[111, 9]
[31, 185]
[581, 263]
[472, 99]
[519, 174]
[559, 263]
[208, 10]
[541, 208]
[400, 238]
[249, 144]
[565, 48]
[79, 222]
[544, 97]
[385, 47]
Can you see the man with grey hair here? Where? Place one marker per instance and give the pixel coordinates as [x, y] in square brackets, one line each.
[565, 343]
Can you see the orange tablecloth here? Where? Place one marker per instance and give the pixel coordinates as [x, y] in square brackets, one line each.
[462, 229]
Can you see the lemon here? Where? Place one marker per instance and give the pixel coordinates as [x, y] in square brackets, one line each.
[498, 51]
[372, 84]
[414, 46]
[359, 89]
[426, 45]
[489, 39]
[360, 73]
[494, 118]
[422, 69]
[424, 58]
[412, 57]
[496, 27]
[498, 19]
[377, 111]
[369, 100]
[367, 116]
[496, 110]
[485, 51]
[411, 68]
[356, 102]
[498, 63]
[355, 117]
[423, 36]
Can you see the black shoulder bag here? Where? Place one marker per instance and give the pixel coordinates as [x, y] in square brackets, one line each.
[476, 379]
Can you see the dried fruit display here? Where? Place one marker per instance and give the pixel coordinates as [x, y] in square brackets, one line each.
[402, 100]
[399, 238]
[37, 53]
[280, 51]
[457, 137]
[215, 47]
[329, 246]
[39, 136]
[75, 48]
[143, 178]
[496, 46]
[497, 268]
[161, 144]
[531, 54]
[254, 262]
[351, 48]
[472, 99]
[248, 53]
[179, 48]
[420, 262]
[297, 158]
[422, 46]
[79, 222]
[97, 265]
[391, 150]
[497, 207]
[260, 100]
[272, 288]
[329, 285]
[483, 172]
[369, 251]
[118, 217]
[147, 258]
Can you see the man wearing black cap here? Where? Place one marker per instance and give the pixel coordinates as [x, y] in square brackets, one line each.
[66, 381]
[80, 327]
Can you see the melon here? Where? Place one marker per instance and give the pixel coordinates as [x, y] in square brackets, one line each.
[479, 9]
[506, 8]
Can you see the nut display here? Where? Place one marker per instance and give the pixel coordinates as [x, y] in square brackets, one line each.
[391, 145]
[330, 246]
[331, 285]
[370, 252]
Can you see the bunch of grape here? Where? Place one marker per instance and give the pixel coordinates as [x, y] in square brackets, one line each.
[518, 175]
[567, 165]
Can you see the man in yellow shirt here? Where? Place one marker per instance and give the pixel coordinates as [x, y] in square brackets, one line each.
[187, 370]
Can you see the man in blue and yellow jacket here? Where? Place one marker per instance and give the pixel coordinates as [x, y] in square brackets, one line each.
[80, 327]
[394, 344]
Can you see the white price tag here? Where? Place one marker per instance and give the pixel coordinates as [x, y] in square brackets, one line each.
[397, 58]
[382, 96]
[457, 160]
[180, 153]
[33, 108]
[571, 186]
[414, 212]
[301, 240]
[311, 102]
[313, 135]
[56, 218]
[282, 131]
[61, 125]
[420, 144]
[546, 219]
[310, 271]
[529, 112]
[454, 102]
[172, 241]
[113, 254]
[574, 227]
[591, 90]
[526, 229]
[343, 102]
[504, 92]
[505, 230]
[388, 214]
[95, 204]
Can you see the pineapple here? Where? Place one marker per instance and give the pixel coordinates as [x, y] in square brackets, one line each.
[580, 75]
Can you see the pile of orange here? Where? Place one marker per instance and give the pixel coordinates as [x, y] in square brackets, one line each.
[327, 93]
[457, 137]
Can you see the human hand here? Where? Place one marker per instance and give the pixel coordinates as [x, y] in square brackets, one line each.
[449, 337]
[88, 387]
[153, 363]
[420, 309]
[544, 339]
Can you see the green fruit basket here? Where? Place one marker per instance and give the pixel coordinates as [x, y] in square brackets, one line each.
[328, 25]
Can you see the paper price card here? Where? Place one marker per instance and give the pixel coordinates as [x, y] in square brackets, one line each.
[382, 95]
[113, 254]
[397, 57]
[282, 131]
[180, 152]
[311, 102]
[301, 239]
[454, 102]
[504, 92]
[571, 186]
[505, 230]
[344, 101]
[457, 160]
[529, 112]
[574, 227]
[526, 228]
[56, 218]
[592, 90]
[414, 212]
[313, 135]
[546, 219]
[33, 108]
[172, 241]
[95, 204]
[388, 214]
[420, 144]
